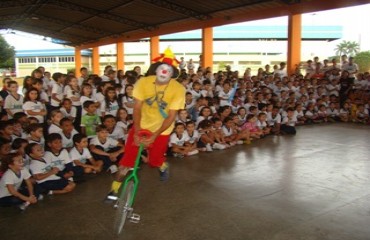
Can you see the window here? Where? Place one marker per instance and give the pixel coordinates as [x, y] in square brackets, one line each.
[47, 59]
[27, 60]
[66, 59]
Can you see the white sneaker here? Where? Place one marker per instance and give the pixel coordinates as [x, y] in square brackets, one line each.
[113, 169]
[24, 205]
[192, 152]
[218, 146]
[178, 155]
[70, 179]
[232, 144]
[239, 142]
[40, 198]
[209, 148]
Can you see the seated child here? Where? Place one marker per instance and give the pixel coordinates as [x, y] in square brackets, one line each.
[194, 136]
[23, 120]
[218, 132]
[178, 144]
[68, 110]
[5, 148]
[322, 115]
[106, 149]
[123, 121]
[299, 114]
[36, 134]
[11, 190]
[230, 132]
[58, 157]
[6, 129]
[55, 117]
[332, 112]
[243, 134]
[262, 124]
[362, 114]
[115, 131]
[182, 116]
[207, 136]
[67, 133]
[90, 120]
[18, 146]
[81, 156]
[311, 114]
[251, 125]
[44, 172]
[344, 113]
[274, 120]
[288, 123]
[18, 131]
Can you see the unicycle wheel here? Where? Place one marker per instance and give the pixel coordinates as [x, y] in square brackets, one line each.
[123, 207]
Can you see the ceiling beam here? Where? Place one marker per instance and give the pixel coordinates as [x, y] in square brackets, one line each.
[304, 7]
[20, 3]
[290, 1]
[98, 13]
[53, 34]
[169, 5]
[30, 10]
[68, 24]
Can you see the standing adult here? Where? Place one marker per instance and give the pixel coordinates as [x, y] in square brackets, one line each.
[351, 67]
[346, 84]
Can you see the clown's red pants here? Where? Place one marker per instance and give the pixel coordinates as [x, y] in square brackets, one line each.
[155, 152]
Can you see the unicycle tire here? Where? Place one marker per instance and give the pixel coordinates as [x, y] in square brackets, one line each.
[124, 210]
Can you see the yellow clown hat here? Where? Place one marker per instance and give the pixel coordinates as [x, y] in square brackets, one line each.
[167, 57]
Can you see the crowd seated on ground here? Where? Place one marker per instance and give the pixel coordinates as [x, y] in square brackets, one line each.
[62, 128]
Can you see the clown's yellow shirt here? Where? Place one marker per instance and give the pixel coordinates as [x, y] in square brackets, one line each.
[171, 96]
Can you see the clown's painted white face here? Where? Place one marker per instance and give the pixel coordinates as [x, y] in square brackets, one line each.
[164, 73]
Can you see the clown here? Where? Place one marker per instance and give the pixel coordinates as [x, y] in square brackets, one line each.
[158, 97]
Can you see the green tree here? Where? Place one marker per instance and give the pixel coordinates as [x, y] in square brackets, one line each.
[349, 48]
[7, 54]
[363, 61]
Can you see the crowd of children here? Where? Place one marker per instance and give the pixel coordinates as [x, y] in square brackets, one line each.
[63, 127]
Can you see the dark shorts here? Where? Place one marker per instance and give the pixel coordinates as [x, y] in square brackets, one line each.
[54, 184]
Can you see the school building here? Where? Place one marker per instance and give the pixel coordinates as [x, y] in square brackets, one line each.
[237, 46]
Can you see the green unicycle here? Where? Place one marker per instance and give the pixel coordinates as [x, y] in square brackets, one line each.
[127, 193]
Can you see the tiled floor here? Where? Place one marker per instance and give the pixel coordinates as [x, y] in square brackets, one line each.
[315, 185]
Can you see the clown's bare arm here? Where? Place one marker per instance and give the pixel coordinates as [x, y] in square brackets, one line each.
[137, 114]
[137, 119]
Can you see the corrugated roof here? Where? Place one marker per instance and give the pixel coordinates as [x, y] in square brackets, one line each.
[87, 23]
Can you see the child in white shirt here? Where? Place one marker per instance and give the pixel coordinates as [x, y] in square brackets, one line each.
[178, 143]
[81, 156]
[11, 191]
[44, 172]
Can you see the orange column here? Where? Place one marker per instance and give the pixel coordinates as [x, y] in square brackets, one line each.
[207, 47]
[96, 60]
[78, 61]
[294, 42]
[120, 55]
[154, 47]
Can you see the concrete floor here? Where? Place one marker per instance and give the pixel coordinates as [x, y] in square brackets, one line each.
[314, 185]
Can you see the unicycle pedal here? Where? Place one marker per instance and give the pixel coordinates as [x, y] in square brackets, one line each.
[135, 218]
